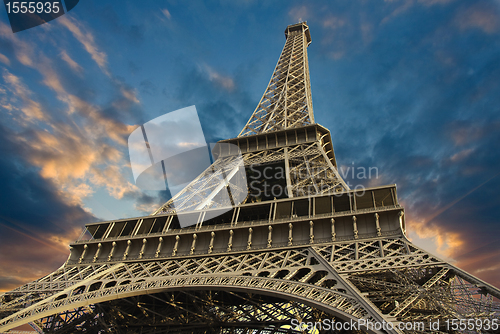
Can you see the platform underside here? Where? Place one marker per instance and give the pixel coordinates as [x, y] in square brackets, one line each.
[384, 279]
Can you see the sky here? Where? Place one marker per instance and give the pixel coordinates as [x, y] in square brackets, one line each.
[408, 87]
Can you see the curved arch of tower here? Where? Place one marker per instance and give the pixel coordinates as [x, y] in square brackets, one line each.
[264, 262]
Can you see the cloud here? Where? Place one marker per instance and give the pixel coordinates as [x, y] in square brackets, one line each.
[4, 59]
[27, 257]
[166, 13]
[437, 205]
[482, 261]
[72, 64]
[70, 153]
[186, 144]
[417, 97]
[76, 155]
[463, 133]
[222, 113]
[61, 155]
[407, 4]
[420, 103]
[135, 34]
[335, 28]
[108, 127]
[56, 151]
[224, 81]
[333, 22]
[483, 16]
[299, 14]
[445, 240]
[87, 40]
[31, 109]
[36, 220]
[348, 31]
[112, 178]
[457, 157]
[367, 32]
[24, 52]
[434, 2]
[130, 94]
[68, 156]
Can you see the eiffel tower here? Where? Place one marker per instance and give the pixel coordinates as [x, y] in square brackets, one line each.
[315, 250]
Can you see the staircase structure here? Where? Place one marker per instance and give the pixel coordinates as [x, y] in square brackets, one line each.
[302, 248]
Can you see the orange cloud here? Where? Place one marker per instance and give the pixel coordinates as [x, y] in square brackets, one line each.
[224, 81]
[76, 156]
[461, 155]
[111, 178]
[61, 155]
[87, 40]
[130, 94]
[463, 134]
[26, 257]
[73, 64]
[478, 16]
[24, 52]
[446, 241]
[451, 243]
[31, 109]
[4, 59]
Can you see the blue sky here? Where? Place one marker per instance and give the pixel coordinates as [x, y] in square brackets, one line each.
[409, 87]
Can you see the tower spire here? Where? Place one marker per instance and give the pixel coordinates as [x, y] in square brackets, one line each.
[287, 101]
[280, 135]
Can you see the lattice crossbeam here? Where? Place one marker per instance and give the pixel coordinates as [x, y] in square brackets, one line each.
[287, 102]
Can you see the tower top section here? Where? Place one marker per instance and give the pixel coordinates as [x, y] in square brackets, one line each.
[299, 28]
[287, 101]
[280, 147]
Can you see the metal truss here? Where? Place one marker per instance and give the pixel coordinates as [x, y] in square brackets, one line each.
[292, 275]
[209, 189]
[287, 101]
[310, 172]
[286, 104]
[215, 311]
[409, 284]
[386, 279]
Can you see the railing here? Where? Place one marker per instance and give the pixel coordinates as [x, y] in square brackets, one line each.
[228, 226]
[240, 249]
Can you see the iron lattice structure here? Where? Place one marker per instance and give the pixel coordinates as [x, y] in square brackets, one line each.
[317, 251]
[287, 102]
